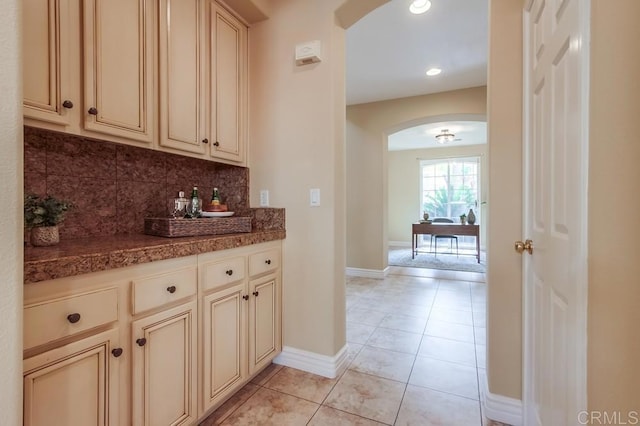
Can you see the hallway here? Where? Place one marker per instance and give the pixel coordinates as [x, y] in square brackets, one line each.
[416, 345]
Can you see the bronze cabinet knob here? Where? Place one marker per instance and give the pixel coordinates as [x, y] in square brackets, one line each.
[245, 297]
[116, 352]
[73, 318]
[255, 293]
[229, 272]
[141, 342]
[171, 289]
[216, 143]
[93, 111]
[67, 104]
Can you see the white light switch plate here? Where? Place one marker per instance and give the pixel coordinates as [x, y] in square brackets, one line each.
[264, 198]
[314, 197]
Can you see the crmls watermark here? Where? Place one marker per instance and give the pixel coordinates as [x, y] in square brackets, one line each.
[609, 418]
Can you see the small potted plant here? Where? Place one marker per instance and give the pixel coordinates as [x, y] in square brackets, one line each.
[463, 219]
[42, 216]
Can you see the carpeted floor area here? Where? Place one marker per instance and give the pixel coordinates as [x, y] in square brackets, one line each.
[401, 256]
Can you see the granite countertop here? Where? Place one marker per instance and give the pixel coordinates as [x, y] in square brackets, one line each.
[84, 255]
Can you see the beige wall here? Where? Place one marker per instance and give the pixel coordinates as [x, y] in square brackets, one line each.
[11, 255]
[367, 128]
[504, 265]
[404, 186]
[297, 143]
[613, 354]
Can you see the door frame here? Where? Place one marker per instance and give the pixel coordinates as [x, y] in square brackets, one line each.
[581, 268]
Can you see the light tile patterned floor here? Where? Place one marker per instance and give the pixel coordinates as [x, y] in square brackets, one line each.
[416, 355]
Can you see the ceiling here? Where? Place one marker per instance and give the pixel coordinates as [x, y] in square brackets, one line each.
[424, 136]
[390, 49]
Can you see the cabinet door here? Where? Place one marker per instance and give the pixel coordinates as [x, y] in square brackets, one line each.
[182, 93]
[118, 68]
[74, 385]
[224, 351]
[264, 321]
[164, 367]
[228, 84]
[46, 61]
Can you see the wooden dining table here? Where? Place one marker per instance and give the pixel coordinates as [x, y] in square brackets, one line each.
[444, 229]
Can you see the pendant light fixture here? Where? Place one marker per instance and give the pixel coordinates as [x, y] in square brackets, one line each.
[444, 136]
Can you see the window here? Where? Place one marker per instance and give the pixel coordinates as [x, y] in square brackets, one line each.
[450, 186]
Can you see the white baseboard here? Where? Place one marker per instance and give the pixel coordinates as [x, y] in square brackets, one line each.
[367, 273]
[501, 408]
[399, 244]
[311, 362]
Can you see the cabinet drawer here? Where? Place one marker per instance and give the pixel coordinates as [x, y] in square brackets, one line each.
[55, 319]
[155, 291]
[265, 261]
[227, 271]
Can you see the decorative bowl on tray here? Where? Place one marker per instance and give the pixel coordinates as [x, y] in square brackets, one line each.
[215, 214]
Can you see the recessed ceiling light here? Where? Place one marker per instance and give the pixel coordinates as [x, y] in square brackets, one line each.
[419, 6]
[433, 71]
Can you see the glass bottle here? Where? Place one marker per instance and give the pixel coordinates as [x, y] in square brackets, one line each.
[180, 205]
[215, 197]
[195, 204]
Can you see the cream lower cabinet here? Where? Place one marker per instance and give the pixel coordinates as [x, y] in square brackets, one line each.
[164, 367]
[240, 317]
[161, 343]
[76, 384]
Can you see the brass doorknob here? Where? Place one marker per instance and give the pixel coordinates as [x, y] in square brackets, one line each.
[527, 245]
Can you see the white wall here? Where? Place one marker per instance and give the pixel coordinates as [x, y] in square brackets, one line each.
[11, 252]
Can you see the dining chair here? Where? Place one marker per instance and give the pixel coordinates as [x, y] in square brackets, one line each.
[450, 237]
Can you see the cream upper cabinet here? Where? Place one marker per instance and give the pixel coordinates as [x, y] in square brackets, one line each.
[49, 94]
[227, 81]
[118, 68]
[182, 92]
[164, 381]
[203, 80]
[76, 384]
[108, 45]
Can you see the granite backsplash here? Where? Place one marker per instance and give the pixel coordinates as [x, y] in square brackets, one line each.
[114, 187]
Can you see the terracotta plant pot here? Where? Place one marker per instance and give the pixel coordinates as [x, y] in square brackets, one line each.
[45, 236]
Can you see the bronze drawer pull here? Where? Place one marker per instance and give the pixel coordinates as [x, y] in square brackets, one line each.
[171, 289]
[268, 261]
[229, 272]
[73, 318]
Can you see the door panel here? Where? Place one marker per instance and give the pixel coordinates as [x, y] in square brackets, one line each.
[555, 212]
[46, 60]
[182, 93]
[88, 374]
[224, 342]
[118, 68]
[164, 367]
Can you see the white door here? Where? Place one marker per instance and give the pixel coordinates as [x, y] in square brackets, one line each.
[555, 282]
